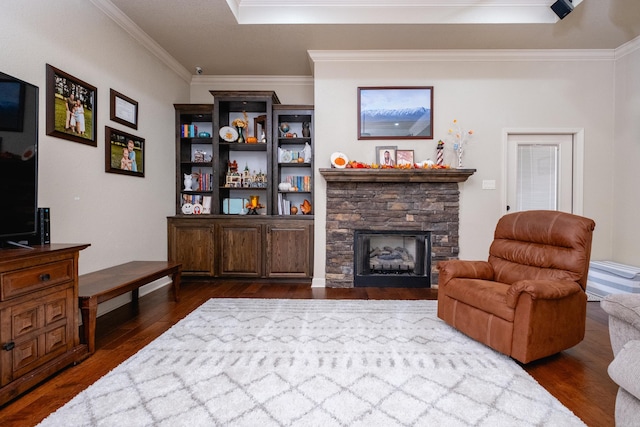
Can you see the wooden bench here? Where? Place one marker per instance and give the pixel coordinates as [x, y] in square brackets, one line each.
[103, 285]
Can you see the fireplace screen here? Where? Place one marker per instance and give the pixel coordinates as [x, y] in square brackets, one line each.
[392, 259]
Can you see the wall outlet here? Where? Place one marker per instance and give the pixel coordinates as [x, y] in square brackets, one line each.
[488, 184]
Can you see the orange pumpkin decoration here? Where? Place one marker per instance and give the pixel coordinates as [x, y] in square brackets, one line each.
[252, 140]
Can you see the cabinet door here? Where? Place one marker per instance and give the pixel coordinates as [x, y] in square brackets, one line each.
[240, 250]
[289, 250]
[192, 245]
[39, 330]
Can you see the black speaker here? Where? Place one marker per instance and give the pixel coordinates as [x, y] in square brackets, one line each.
[43, 236]
[562, 8]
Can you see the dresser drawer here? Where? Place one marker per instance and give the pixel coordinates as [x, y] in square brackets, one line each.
[20, 282]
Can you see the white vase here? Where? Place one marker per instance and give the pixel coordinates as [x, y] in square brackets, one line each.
[460, 152]
[188, 182]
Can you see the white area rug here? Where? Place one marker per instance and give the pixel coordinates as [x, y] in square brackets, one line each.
[593, 297]
[265, 362]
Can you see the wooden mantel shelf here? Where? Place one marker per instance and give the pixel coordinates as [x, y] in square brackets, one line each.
[396, 175]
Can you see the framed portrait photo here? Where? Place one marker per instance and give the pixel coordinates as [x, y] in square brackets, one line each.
[395, 112]
[124, 153]
[404, 157]
[71, 107]
[386, 156]
[123, 109]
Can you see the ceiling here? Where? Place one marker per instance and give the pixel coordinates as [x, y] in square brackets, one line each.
[206, 33]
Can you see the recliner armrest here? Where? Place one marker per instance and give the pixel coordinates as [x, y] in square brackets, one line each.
[541, 289]
[463, 269]
[625, 370]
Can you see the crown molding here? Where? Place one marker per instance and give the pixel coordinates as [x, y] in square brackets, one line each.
[141, 37]
[628, 48]
[248, 80]
[495, 55]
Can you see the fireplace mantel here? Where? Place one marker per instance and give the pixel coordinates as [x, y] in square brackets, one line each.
[396, 175]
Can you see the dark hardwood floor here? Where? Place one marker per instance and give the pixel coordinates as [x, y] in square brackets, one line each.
[577, 377]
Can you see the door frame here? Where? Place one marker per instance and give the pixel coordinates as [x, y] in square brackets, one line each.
[578, 161]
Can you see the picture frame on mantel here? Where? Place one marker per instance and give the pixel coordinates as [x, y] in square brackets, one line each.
[386, 155]
[395, 112]
[404, 157]
[71, 108]
[124, 153]
[123, 109]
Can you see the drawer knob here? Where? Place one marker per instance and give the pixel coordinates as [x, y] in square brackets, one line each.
[45, 277]
[9, 346]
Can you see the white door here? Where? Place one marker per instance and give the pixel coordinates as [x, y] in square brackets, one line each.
[540, 172]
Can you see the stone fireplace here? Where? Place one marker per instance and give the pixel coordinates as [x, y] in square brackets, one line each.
[393, 200]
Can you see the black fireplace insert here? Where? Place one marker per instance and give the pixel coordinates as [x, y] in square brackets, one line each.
[400, 259]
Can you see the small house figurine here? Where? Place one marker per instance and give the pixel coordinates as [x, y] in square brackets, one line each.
[233, 178]
[260, 179]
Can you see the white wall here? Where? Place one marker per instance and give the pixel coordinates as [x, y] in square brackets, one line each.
[489, 94]
[122, 217]
[292, 90]
[626, 147]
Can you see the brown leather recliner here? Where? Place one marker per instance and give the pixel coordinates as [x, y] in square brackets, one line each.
[528, 300]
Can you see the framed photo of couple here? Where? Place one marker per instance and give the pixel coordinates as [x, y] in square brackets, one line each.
[124, 153]
[71, 107]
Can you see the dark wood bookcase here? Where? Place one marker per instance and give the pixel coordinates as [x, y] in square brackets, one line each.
[220, 238]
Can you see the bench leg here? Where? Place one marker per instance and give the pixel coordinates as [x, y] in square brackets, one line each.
[135, 294]
[175, 278]
[89, 311]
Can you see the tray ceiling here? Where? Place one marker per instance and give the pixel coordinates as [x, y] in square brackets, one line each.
[206, 33]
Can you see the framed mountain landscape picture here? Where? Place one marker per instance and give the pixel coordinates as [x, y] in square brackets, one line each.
[395, 112]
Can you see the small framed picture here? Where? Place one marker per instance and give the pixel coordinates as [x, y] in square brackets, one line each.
[404, 157]
[123, 110]
[386, 156]
[71, 107]
[124, 153]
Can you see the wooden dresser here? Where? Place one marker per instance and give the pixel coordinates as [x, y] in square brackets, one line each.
[38, 315]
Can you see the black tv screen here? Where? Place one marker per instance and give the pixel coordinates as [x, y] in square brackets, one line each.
[18, 158]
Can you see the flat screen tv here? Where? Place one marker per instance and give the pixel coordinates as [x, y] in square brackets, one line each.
[18, 159]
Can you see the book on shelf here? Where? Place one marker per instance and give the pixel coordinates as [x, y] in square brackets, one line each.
[284, 205]
[189, 131]
[301, 182]
[204, 181]
[192, 198]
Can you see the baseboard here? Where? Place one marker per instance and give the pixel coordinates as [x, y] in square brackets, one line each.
[118, 302]
[318, 282]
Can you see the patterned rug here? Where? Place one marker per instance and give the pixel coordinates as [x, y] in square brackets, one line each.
[265, 362]
[593, 297]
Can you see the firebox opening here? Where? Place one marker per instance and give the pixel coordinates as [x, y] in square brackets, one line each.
[392, 259]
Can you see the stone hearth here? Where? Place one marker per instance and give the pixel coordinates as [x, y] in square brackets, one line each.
[390, 200]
